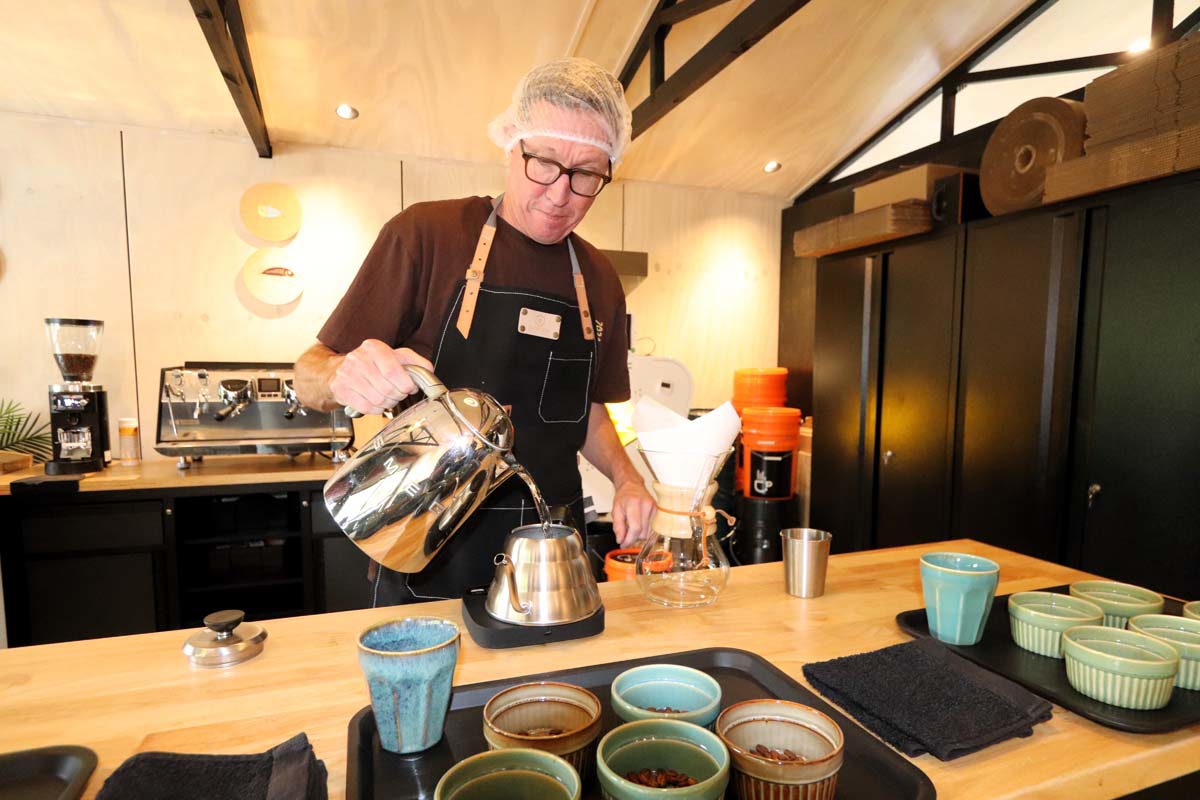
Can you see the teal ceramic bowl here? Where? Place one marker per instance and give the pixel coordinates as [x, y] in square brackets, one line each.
[693, 695]
[1038, 619]
[1118, 601]
[1181, 633]
[662, 744]
[511, 774]
[1120, 667]
[958, 589]
[409, 666]
[1192, 610]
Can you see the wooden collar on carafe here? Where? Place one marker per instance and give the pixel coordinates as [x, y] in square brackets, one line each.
[478, 265]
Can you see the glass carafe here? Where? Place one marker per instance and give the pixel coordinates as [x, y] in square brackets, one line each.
[682, 564]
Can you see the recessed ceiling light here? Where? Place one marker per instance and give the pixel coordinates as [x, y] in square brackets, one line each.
[347, 111]
[1139, 46]
[772, 166]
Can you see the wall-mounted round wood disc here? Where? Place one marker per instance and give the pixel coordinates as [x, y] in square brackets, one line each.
[271, 211]
[269, 278]
[1034, 135]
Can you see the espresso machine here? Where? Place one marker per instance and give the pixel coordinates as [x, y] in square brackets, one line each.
[78, 407]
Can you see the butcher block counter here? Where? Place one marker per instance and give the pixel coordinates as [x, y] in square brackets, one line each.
[162, 476]
[123, 695]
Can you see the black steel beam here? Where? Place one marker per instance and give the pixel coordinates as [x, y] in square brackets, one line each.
[227, 40]
[743, 32]
[658, 58]
[1189, 24]
[949, 94]
[642, 46]
[1161, 17]
[687, 9]
[1049, 67]
[952, 80]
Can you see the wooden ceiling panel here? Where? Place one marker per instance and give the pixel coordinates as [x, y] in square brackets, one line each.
[810, 91]
[426, 77]
[142, 62]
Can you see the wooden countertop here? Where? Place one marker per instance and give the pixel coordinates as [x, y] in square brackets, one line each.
[212, 471]
[123, 695]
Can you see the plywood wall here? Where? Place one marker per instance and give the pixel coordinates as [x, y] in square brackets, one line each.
[711, 299]
[62, 254]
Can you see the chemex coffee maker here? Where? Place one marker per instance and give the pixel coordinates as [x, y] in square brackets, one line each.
[78, 407]
[406, 491]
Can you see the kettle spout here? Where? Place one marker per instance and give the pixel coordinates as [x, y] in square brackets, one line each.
[503, 565]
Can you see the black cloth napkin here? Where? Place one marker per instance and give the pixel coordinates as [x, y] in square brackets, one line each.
[922, 698]
[289, 771]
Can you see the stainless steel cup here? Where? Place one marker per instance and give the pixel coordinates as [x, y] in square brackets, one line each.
[805, 557]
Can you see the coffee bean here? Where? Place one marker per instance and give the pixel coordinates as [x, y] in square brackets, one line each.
[660, 778]
[777, 755]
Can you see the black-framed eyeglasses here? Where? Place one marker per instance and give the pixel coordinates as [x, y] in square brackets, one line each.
[583, 182]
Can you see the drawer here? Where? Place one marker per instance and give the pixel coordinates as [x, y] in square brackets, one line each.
[322, 522]
[87, 527]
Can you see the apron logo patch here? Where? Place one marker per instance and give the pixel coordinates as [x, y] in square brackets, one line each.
[532, 322]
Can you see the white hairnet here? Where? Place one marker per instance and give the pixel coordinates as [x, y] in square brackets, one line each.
[547, 100]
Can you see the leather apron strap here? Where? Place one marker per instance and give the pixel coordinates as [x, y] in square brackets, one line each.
[478, 265]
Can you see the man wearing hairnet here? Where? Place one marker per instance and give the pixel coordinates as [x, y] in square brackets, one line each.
[497, 294]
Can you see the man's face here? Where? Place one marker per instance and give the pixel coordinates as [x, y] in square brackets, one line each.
[547, 214]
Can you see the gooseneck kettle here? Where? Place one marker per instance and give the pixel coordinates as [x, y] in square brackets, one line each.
[405, 492]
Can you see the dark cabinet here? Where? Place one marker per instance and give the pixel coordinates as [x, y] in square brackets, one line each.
[916, 391]
[1015, 381]
[843, 433]
[342, 575]
[883, 392]
[79, 571]
[1135, 496]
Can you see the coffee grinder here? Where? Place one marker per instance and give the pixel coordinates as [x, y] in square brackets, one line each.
[78, 407]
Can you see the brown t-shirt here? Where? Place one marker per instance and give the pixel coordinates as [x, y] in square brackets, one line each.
[410, 278]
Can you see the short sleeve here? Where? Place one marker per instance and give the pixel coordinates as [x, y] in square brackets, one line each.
[385, 299]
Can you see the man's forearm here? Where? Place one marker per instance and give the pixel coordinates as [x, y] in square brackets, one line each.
[314, 372]
[603, 448]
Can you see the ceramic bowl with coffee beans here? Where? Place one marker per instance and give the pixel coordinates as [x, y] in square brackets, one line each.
[666, 691]
[558, 718]
[781, 750]
[662, 758]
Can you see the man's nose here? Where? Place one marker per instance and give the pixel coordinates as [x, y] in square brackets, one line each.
[559, 192]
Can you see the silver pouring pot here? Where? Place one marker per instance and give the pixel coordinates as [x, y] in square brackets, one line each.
[542, 578]
[406, 491]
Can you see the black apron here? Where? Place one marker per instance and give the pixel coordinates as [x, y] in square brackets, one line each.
[547, 381]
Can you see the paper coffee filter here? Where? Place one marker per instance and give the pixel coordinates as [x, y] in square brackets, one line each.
[683, 452]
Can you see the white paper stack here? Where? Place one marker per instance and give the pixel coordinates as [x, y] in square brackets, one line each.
[683, 452]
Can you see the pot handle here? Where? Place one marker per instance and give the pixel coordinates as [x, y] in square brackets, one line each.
[425, 380]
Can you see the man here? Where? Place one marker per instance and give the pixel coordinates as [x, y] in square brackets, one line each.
[498, 295]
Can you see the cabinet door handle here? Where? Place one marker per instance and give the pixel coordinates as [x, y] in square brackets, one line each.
[304, 504]
[887, 456]
[1093, 490]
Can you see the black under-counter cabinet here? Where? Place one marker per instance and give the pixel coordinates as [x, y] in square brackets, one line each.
[107, 563]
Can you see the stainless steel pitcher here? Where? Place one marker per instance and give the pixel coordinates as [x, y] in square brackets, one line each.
[406, 491]
[543, 578]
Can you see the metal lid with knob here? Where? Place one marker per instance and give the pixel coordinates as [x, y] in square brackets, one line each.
[225, 641]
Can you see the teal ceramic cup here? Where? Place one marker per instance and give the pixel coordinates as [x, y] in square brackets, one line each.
[959, 589]
[515, 773]
[662, 744]
[409, 666]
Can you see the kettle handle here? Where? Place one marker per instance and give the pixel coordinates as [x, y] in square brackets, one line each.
[425, 380]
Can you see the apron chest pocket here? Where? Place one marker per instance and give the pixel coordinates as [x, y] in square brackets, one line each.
[565, 389]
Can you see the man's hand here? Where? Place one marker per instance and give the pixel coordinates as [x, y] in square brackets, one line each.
[631, 511]
[371, 378]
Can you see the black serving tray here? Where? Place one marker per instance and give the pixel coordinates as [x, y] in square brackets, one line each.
[1048, 676]
[871, 770]
[48, 773]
